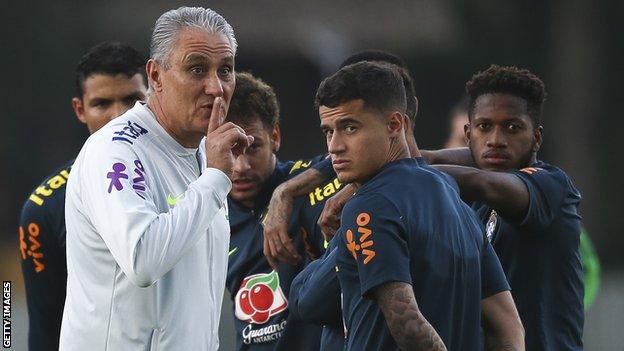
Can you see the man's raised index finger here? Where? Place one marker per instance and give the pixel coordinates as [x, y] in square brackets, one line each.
[216, 118]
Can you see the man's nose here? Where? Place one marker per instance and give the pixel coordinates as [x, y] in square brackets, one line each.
[497, 139]
[241, 164]
[117, 110]
[213, 85]
[335, 144]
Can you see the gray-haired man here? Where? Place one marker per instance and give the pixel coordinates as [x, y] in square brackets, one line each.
[146, 205]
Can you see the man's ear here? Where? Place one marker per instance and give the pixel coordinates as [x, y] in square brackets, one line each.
[416, 110]
[276, 138]
[79, 109]
[153, 70]
[467, 133]
[396, 123]
[538, 138]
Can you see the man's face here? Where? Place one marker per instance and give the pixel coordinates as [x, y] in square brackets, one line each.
[501, 136]
[358, 140]
[253, 168]
[106, 97]
[201, 68]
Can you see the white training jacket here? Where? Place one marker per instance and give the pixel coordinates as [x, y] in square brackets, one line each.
[147, 241]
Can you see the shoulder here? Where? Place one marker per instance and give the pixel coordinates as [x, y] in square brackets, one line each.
[50, 192]
[363, 204]
[295, 167]
[407, 178]
[126, 132]
[547, 176]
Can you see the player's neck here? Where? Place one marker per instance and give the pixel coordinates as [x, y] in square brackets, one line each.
[413, 147]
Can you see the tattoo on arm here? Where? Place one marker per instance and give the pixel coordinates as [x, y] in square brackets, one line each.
[407, 325]
[303, 183]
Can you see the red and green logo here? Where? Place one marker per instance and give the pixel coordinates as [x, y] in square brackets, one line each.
[259, 297]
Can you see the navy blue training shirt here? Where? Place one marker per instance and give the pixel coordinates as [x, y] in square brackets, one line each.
[408, 224]
[260, 294]
[42, 250]
[540, 256]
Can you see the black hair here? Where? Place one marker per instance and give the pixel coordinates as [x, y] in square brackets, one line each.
[253, 98]
[378, 84]
[382, 56]
[110, 58]
[512, 81]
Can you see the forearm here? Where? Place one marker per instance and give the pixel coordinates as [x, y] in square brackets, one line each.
[504, 192]
[502, 327]
[498, 343]
[147, 244]
[301, 184]
[460, 156]
[408, 326]
[319, 291]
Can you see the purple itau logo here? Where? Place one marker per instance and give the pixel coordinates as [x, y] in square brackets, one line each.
[138, 182]
[115, 176]
[259, 297]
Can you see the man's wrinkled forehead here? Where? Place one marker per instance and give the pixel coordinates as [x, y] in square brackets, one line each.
[199, 44]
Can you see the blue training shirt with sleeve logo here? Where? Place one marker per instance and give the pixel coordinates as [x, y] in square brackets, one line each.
[408, 224]
[540, 256]
[260, 294]
[42, 251]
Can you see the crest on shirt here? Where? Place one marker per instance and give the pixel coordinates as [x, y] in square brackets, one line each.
[491, 225]
[259, 297]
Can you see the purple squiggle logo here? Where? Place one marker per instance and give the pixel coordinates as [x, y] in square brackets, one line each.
[115, 176]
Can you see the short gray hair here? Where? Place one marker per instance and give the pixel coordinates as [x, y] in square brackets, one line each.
[169, 24]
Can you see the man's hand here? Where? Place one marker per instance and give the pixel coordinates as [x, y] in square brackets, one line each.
[329, 221]
[278, 245]
[224, 142]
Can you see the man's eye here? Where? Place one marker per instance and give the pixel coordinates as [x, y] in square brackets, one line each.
[350, 129]
[513, 127]
[198, 70]
[225, 71]
[482, 126]
[101, 104]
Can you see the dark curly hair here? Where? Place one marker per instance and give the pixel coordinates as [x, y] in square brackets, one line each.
[110, 58]
[512, 81]
[382, 56]
[253, 98]
[379, 84]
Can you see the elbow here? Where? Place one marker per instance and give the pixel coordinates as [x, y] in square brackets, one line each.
[142, 278]
[142, 272]
[318, 311]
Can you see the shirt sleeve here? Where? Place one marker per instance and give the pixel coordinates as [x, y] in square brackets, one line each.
[493, 278]
[547, 193]
[117, 191]
[315, 291]
[325, 167]
[375, 235]
[44, 271]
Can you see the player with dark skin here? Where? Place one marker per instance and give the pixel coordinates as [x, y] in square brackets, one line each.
[528, 205]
